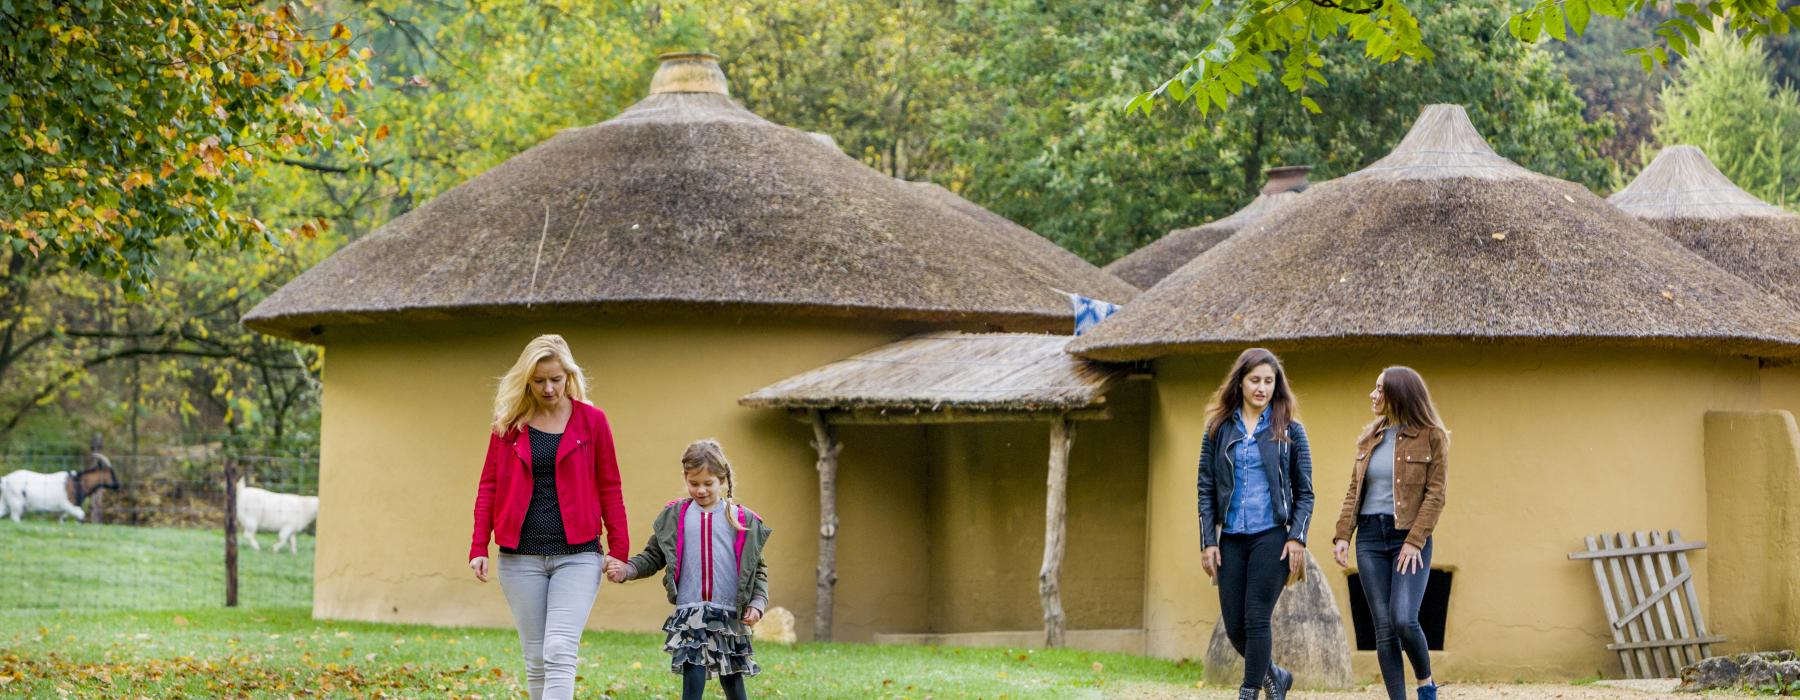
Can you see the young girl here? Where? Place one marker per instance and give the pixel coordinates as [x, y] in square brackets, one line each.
[1256, 501]
[1396, 494]
[716, 578]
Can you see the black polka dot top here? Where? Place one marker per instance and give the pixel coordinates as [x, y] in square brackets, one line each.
[542, 532]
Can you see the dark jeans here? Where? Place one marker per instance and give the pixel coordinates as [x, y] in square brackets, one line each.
[1251, 574]
[693, 684]
[1393, 599]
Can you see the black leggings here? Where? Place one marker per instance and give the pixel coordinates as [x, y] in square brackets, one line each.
[693, 684]
[1251, 574]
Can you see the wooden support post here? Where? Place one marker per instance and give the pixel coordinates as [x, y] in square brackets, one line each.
[1056, 502]
[825, 442]
[231, 549]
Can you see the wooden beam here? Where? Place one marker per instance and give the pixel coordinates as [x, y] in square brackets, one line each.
[873, 416]
[1625, 551]
[1062, 437]
[826, 444]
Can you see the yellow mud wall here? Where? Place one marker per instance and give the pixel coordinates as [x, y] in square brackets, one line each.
[985, 511]
[1753, 486]
[406, 410]
[1781, 386]
[1547, 447]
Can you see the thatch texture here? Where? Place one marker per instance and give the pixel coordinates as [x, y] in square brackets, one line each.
[1042, 250]
[685, 201]
[950, 371]
[1682, 183]
[1443, 240]
[1148, 265]
[1682, 195]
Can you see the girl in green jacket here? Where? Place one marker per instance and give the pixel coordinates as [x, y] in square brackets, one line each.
[712, 549]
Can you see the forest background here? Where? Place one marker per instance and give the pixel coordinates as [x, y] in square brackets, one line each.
[1018, 105]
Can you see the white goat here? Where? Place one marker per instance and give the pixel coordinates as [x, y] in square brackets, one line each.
[285, 513]
[23, 491]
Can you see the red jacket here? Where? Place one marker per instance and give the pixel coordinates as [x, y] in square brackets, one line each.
[587, 486]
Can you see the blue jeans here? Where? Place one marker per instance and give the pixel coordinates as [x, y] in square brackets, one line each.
[1393, 599]
[550, 597]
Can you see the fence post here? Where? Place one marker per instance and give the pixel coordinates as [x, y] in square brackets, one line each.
[97, 510]
[231, 549]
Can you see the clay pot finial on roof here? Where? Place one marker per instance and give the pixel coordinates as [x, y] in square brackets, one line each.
[1286, 178]
[689, 72]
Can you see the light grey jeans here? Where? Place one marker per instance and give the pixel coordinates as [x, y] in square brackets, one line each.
[550, 597]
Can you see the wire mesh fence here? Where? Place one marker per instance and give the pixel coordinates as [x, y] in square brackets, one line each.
[157, 540]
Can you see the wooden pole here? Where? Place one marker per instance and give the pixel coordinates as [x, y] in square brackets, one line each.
[96, 510]
[231, 548]
[1056, 502]
[825, 442]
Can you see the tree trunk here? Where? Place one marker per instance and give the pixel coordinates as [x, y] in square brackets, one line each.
[1056, 502]
[825, 442]
[231, 548]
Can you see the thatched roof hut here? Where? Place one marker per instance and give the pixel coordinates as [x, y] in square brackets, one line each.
[686, 200]
[1103, 285]
[1683, 195]
[1444, 239]
[950, 371]
[1148, 265]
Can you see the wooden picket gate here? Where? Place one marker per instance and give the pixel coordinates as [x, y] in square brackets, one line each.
[1654, 614]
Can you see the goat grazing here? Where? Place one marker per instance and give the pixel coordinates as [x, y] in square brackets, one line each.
[23, 490]
[285, 513]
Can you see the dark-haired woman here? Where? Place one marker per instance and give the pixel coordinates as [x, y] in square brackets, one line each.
[1396, 494]
[1256, 500]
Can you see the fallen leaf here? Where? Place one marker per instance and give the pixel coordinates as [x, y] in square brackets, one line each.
[1499, 236]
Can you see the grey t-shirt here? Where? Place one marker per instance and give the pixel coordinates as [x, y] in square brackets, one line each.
[1378, 481]
[709, 567]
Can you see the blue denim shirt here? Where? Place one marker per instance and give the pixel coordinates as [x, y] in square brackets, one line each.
[1252, 508]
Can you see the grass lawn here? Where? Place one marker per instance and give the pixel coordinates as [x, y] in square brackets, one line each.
[71, 565]
[274, 652]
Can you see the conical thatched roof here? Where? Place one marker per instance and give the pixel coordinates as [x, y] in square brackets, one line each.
[685, 201]
[1103, 285]
[1445, 240]
[1148, 265]
[1683, 195]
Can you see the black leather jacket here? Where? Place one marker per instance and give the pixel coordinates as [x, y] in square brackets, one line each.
[1289, 468]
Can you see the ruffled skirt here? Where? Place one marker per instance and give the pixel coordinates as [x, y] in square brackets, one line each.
[707, 636]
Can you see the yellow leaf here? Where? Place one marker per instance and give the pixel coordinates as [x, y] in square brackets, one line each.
[18, 180]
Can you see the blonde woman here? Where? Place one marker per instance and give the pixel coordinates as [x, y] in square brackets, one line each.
[549, 488]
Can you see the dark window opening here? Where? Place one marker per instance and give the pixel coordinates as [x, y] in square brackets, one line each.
[1431, 611]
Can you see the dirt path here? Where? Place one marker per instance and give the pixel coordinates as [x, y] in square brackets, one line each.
[1456, 691]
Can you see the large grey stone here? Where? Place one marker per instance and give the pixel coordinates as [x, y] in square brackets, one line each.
[1766, 671]
[1309, 638]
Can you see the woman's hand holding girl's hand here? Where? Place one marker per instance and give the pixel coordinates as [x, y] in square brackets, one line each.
[1409, 560]
[480, 565]
[1295, 555]
[1340, 550]
[751, 616]
[1209, 560]
[615, 570]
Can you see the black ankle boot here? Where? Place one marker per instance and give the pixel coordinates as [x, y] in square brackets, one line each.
[1248, 693]
[1277, 682]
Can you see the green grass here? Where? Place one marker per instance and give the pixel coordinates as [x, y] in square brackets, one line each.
[113, 611]
[71, 565]
[272, 652]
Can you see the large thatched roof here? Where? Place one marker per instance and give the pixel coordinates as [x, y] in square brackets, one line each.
[1148, 265]
[685, 201]
[950, 371]
[1683, 195]
[1046, 252]
[1445, 240]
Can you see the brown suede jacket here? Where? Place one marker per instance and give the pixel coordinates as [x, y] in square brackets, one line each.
[1421, 462]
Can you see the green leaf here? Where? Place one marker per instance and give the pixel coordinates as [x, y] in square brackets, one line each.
[1578, 15]
[1553, 21]
[1310, 105]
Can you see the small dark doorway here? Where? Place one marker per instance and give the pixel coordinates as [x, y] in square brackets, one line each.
[1431, 611]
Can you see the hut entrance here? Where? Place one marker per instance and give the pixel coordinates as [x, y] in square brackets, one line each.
[949, 378]
[1432, 611]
